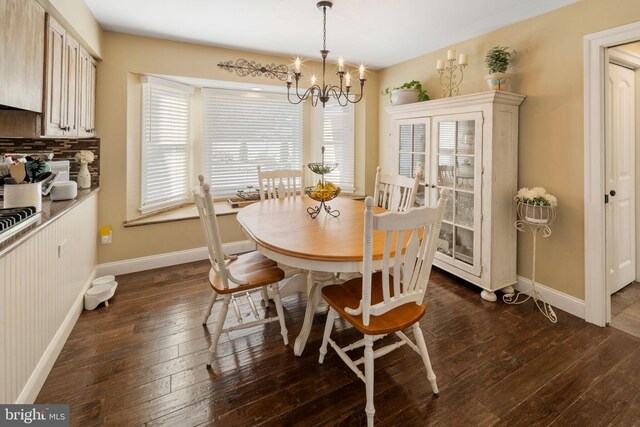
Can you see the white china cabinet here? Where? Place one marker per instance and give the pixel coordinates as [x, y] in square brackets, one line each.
[469, 145]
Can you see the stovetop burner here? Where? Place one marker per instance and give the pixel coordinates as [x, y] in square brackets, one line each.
[13, 220]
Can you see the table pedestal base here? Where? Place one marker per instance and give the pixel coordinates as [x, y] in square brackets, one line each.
[316, 280]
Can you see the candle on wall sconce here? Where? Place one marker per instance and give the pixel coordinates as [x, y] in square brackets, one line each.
[450, 73]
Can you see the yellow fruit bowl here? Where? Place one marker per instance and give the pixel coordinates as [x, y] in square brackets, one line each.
[322, 194]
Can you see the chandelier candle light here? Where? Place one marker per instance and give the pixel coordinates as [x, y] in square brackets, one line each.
[325, 91]
[449, 74]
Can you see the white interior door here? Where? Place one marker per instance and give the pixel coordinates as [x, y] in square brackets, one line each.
[620, 177]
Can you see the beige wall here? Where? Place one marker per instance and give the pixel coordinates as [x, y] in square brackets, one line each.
[76, 17]
[548, 68]
[125, 56]
[632, 47]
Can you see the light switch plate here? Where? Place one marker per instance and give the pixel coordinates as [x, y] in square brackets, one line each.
[62, 248]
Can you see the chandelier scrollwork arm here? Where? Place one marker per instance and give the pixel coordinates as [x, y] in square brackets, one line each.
[324, 92]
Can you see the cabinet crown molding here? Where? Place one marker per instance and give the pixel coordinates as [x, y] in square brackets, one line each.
[497, 97]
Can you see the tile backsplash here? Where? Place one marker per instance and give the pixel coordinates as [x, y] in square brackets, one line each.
[62, 149]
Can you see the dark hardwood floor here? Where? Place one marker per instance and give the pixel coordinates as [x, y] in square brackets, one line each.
[142, 361]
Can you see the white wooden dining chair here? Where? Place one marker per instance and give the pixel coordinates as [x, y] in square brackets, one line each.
[377, 303]
[395, 193]
[282, 183]
[233, 276]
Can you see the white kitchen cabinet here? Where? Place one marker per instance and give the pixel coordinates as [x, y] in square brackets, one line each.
[42, 282]
[54, 117]
[86, 121]
[468, 145]
[71, 86]
[69, 104]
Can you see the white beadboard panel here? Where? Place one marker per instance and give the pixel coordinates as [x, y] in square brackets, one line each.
[39, 294]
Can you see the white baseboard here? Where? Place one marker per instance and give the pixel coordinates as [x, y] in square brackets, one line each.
[554, 297]
[33, 386]
[168, 259]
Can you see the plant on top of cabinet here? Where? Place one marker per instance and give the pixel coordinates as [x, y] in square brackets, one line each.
[497, 61]
[407, 93]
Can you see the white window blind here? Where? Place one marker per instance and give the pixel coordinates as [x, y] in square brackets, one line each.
[334, 128]
[165, 144]
[243, 129]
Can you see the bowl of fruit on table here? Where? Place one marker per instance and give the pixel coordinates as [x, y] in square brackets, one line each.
[323, 192]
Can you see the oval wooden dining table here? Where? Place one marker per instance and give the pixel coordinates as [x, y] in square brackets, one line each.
[284, 232]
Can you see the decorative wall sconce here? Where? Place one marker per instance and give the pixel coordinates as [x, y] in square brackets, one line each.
[450, 73]
[244, 68]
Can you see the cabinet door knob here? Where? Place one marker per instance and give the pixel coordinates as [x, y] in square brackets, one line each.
[433, 186]
[612, 192]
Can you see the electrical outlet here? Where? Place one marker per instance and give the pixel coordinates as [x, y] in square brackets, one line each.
[62, 248]
[106, 235]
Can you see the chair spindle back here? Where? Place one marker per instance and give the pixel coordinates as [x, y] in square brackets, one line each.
[207, 214]
[420, 228]
[396, 193]
[282, 183]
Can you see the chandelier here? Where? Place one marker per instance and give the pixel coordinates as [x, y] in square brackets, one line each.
[325, 91]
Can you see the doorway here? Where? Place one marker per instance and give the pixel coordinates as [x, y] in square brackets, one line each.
[621, 163]
[596, 59]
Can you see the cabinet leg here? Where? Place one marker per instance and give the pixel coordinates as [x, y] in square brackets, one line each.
[508, 290]
[488, 296]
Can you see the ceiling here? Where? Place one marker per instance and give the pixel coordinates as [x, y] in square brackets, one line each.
[378, 33]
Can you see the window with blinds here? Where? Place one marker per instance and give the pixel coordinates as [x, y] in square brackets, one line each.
[334, 129]
[165, 153]
[244, 129]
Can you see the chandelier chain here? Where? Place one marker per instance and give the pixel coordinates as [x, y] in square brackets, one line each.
[324, 28]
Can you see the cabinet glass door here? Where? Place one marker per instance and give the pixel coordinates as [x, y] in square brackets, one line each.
[457, 167]
[413, 152]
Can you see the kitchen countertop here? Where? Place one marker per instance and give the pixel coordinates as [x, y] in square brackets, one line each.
[51, 211]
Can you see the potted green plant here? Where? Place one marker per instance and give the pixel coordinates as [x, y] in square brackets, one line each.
[407, 93]
[497, 61]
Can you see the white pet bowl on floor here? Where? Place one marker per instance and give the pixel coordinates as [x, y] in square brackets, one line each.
[98, 294]
[103, 280]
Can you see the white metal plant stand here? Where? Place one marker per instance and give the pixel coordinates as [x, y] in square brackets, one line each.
[538, 219]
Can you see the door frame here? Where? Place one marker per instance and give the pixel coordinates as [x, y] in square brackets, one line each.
[596, 59]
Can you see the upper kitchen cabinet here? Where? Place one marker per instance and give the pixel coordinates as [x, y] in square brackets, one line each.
[55, 118]
[21, 54]
[70, 86]
[86, 123]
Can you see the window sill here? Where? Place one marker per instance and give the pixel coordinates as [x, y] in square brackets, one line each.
[181, 213]
[187, 212]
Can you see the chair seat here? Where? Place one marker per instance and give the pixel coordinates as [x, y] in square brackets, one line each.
[349, 294]
[252, 267]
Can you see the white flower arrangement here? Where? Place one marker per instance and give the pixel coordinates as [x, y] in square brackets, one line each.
[536, 196]
[84, 156]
